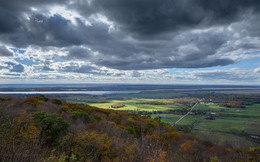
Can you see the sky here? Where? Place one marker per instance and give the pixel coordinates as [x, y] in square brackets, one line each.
[130, 41]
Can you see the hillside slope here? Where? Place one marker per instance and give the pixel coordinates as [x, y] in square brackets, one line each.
[46, 129]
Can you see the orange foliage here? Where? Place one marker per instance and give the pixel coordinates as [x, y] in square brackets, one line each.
[206, 143]
[213, 149]
[175, 136]
[186, 146]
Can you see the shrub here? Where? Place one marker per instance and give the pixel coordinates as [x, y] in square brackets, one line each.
[51, 127]
[130, 130]
[83, 115]
[57, 102]
[42, 98]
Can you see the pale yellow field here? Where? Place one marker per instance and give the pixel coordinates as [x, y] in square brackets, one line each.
[131, 105]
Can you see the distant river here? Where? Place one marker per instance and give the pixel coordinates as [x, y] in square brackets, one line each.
[127, 91]
[73, 92]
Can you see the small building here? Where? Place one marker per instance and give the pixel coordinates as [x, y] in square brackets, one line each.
[210, 116]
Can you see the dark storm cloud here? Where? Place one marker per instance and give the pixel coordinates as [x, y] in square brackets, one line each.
[21, 26]
[45, 31]
[79, 53]
[5, 52]
[149, 17]
[8, 20]
[186, 50]
[158, 64]
[148, 34]
[12, 10]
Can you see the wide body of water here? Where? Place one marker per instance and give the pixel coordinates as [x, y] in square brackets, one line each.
[103, 89]
[72, 92]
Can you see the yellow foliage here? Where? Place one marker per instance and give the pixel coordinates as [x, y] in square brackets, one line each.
[186, 146]
[155, 137]
[31, 133]
[163, 156]
[33, 101]
[254, 149]
[91, 146]
[155, 123]
[130, 150]
[214, 159]
[158, 156]
[116, 118]
[131, 121]
[64, 108]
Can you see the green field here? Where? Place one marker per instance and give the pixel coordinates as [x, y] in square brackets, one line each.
[228, 127]
[133, 106]
[225, 129]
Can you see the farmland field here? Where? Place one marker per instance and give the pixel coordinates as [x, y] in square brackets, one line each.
[232, 126]
[229, 127]
[132, 105]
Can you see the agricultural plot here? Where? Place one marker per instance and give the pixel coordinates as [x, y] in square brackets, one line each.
[230, 126]
[134, 106]
[233, 126]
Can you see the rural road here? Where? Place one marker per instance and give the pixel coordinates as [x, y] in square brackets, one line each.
[185, 114]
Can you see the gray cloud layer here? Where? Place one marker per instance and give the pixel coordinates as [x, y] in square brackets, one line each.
[5, 52]
[134, 35]
[148, 17]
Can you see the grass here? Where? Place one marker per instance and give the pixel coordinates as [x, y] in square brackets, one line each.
[225, 124]
[219, 131]
[171, 118]
[248, 121]
[228, 120]
[221, 138]
[225, 129]
[108, 106]
[132, 105]
[211, 107]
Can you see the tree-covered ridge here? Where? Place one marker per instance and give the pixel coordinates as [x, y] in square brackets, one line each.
[46, 129]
